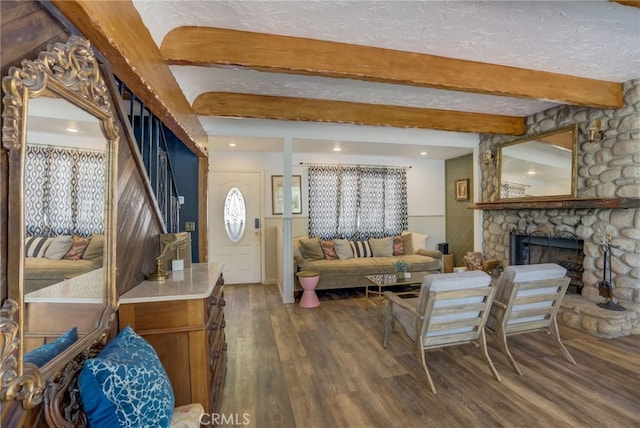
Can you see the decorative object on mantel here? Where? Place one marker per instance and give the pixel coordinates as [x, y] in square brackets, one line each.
[180, 240]
[605, 287]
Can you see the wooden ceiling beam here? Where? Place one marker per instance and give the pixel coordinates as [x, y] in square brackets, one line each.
[632, 3]
[207, 46]
[116, 30]
[313, 110]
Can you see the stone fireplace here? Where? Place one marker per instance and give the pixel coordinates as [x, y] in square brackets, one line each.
[608, 170]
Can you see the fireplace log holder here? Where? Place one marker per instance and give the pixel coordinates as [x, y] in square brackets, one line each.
[605, 287]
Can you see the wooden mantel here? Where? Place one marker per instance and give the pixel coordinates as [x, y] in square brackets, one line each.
[581, 203]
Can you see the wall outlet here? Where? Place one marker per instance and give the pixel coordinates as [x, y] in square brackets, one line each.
[189, 226]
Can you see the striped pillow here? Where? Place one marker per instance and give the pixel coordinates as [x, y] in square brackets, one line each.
[36, 246]
[361, 249]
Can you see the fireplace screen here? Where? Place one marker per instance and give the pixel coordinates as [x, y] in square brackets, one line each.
[567, 251]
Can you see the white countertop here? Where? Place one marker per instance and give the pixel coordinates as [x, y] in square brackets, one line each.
[194, 283]
[86, 288]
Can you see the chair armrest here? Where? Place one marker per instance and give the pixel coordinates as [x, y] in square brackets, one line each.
[397, 300]
[429, 253]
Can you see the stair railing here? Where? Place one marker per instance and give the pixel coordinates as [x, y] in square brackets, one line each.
[150, 134]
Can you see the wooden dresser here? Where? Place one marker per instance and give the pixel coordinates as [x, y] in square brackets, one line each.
[183, 319]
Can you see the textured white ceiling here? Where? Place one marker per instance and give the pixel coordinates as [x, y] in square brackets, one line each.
[594, 39]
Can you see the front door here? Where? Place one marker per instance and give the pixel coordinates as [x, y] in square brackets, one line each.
[240, 253]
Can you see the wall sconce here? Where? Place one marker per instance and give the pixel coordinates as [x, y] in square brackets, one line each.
[594, 133]
[488, 157]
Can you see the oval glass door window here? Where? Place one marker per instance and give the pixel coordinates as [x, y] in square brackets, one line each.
[235, 214]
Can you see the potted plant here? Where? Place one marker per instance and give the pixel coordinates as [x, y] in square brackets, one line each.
[401, 268]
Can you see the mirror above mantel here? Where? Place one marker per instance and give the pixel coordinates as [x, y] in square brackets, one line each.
[539, 167]
[553, 156]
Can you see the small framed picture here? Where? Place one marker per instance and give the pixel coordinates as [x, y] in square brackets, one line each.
[277, 194]
[462, 189]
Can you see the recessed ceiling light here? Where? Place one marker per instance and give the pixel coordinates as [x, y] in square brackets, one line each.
[531, 172]
[423, 153]
[73, 130]
[232, 144]
[337, 149]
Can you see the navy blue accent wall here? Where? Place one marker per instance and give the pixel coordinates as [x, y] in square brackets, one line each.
[185, 170]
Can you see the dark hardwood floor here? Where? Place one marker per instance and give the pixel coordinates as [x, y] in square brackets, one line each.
[325, 367]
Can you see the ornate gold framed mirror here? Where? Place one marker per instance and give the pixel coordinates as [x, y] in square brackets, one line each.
[539, 167]
[61, 140]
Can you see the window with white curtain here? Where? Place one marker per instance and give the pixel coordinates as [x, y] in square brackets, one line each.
[357, 202]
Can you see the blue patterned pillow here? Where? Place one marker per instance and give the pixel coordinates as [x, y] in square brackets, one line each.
[126, 385]
[45, 353]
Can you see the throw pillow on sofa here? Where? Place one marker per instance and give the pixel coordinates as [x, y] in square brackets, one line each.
[361, 249]
[36, 246]
[125, 385]
[407, 243]
[59, 247]
[95, 248]
[381, 247]
[328, 250]
[414, 241]
[311, 249]
[398, 246]
[343, 249]
[78, 246]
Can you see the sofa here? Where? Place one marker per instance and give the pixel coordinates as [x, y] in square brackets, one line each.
[343, 264]
[52, 260]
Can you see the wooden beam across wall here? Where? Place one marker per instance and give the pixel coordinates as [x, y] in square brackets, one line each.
[314, 110]
[117, 31]
[632, 3]
[206, 46]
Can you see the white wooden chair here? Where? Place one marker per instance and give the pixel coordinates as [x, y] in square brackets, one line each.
[451, 309]
[528, 299]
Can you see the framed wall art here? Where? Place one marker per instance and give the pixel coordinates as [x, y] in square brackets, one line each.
[462, 189]
[277, 194]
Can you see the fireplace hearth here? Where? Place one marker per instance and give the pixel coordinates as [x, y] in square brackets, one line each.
[566, 251]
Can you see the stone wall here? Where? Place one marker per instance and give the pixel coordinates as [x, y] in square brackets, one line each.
[609, 168]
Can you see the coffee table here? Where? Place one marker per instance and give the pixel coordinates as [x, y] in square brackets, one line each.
[381, 281]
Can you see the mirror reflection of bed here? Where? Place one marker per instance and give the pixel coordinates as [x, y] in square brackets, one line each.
[53, 310]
